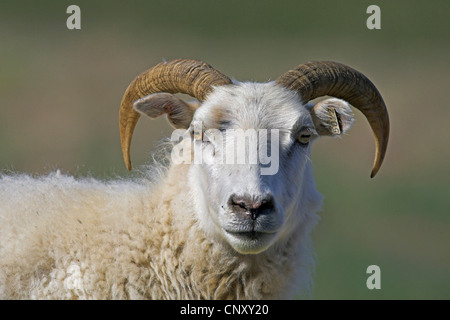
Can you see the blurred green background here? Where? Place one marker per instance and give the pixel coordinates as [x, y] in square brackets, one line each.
[60, 92]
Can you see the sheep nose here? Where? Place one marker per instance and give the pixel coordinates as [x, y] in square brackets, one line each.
[251, 206]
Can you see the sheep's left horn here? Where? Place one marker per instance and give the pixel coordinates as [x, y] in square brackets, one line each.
[320, 78]
[192, 77]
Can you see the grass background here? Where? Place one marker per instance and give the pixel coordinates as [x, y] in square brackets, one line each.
[60, 92]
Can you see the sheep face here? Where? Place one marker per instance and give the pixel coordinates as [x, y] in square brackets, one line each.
[251, 178]
[257, 200]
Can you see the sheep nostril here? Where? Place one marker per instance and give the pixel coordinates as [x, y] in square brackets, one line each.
[238, 205]
[243, 205]
[265, 206]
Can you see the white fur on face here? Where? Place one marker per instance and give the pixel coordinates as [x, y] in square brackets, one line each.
[253, 106]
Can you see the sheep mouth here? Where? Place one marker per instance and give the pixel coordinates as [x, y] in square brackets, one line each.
[252, 229]
[249, 235]
[250, 242]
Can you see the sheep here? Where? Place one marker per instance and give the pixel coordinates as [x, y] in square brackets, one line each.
[199, 230]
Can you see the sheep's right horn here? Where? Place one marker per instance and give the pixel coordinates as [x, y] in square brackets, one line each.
[191, 77]
[319, 78]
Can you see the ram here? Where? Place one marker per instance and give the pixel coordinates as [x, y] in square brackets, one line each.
[210, 229]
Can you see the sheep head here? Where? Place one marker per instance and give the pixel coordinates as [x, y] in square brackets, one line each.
[249, 204]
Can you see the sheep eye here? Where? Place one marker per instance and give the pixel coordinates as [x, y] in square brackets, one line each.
[304, 138]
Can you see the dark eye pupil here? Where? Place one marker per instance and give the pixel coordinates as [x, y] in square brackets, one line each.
[304, 139]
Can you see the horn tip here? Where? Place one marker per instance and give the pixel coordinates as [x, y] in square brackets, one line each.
[126, 152]
[126, 158]
[374, 172]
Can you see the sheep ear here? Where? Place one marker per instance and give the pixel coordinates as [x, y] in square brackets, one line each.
[332, 117]
[179, 113]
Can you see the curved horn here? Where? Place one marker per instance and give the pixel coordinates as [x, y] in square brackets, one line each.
[319, 78]
[192, 77]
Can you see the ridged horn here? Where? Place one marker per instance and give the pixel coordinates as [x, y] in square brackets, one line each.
[192, 77]
[319, 78]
